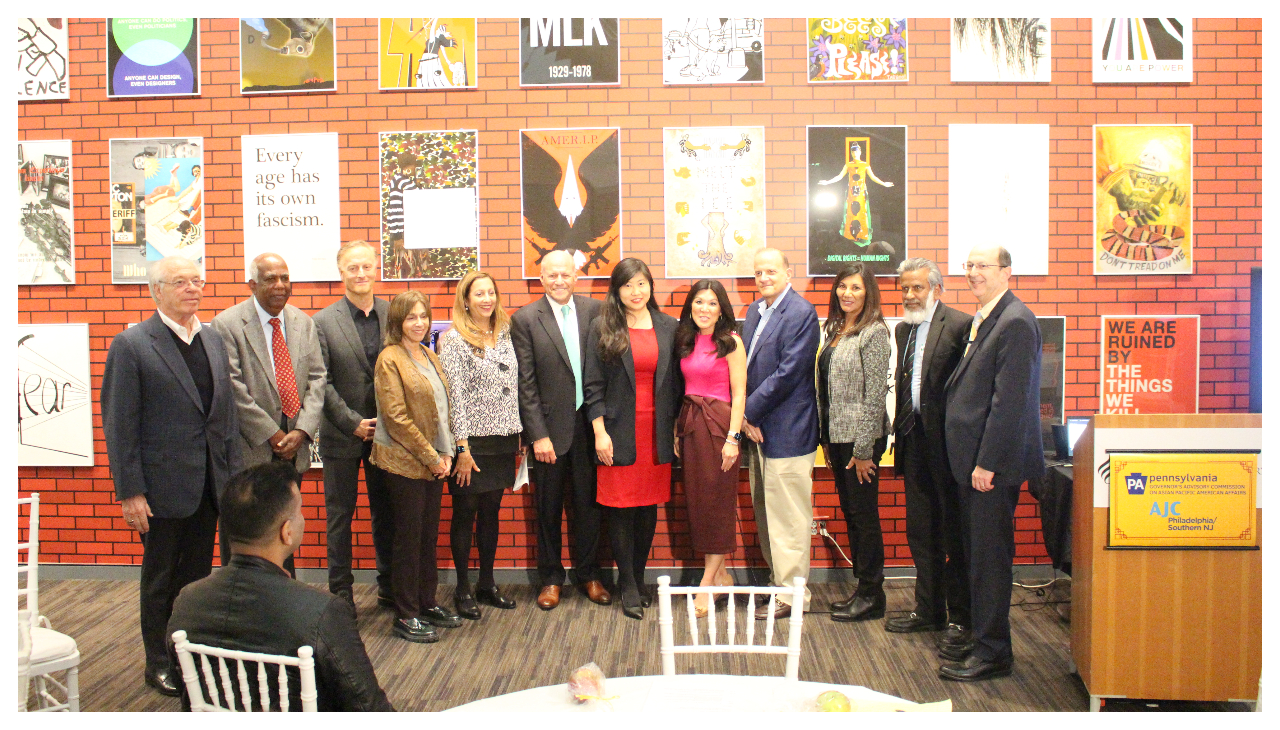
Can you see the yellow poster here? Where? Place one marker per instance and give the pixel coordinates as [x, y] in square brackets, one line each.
[1198, 499]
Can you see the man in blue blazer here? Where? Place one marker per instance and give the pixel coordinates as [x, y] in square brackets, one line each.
[781, 420]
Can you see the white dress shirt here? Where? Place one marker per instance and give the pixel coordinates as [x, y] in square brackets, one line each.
[178, 329]
[917, 362]
[268, 331]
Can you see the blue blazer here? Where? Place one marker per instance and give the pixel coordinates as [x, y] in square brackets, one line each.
[782, 399]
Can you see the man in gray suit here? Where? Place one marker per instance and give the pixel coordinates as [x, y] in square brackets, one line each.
[277, 372]
[351, 331]
[169, 417]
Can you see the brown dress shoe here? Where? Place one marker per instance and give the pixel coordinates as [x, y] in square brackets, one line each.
[596, 592]
[781, 611]
[549, 597]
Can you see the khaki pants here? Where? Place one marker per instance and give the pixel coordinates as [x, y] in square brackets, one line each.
[782, 495]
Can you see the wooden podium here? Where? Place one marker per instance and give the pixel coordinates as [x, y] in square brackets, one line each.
[1171, 624]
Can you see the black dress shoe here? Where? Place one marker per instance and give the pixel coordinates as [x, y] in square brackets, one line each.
[863, 608]
[632, 604]
[412, 629]
[466, 605]
[956, 652]
[165, 681]
[495, 599]
[973, 669]
[442, 617]
[345, 594]
[911, 623]
[955, 634]
[843, 605]
[645, 599]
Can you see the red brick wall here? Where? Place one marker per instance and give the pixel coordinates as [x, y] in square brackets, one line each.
[81, 520]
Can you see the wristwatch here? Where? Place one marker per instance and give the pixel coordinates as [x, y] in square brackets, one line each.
[735, 437]
[461, 449]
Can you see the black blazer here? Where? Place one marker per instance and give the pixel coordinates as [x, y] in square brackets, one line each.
[348, 391]
[993, 399]
[610, 391]
[948, 332]
[547, 388]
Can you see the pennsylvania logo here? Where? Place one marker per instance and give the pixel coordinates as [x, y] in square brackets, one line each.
[1136, 483]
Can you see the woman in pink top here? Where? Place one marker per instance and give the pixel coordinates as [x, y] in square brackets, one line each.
[714, 364]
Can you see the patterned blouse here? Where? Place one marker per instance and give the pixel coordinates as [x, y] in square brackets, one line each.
[483, 392]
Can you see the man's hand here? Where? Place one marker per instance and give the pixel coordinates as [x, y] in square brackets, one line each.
[136, 511]
[981, 479]
[287, 447]
[753, 432]
[543, 450]
[441, 469]
[365, 430]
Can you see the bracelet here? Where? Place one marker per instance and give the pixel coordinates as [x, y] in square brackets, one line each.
[731, 441]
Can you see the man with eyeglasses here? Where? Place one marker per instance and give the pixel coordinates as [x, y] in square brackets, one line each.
[173, 441]
[993, 446]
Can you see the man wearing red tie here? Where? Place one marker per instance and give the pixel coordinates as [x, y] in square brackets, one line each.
[277, 372]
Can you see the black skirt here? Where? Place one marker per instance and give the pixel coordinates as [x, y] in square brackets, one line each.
[496, 458]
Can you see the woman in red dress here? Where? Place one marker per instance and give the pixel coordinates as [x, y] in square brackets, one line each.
[632, 389]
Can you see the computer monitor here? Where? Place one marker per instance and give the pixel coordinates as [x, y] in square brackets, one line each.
[1075, 427]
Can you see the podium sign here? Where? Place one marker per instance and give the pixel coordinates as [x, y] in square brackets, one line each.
[1183, 499]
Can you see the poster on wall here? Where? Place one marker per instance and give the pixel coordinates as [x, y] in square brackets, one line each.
[157, 204]
[430, 204]
[427, 53]
[43, 72]
[857, 49]
[55, 413]
[1142, 199]
[568, 51]
[153, 56]
[287, 55]
[712, 51]
[46, 246]
[1150, 364]
[1001, 50]
[714, 208]
[1053, 372]
[1142, 50]
[291, 206]
[857, 207]
[570, 198]
[998, 189]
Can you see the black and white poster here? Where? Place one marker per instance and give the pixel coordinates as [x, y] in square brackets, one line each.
[568, 51]
[291, 204]
[55, 412]
[46, 248]
[43, 71]
[1141, 50]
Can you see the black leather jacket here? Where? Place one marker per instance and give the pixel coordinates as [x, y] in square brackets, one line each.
[253, 605]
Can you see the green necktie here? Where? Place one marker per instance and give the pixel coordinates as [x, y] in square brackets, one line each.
[575, 357]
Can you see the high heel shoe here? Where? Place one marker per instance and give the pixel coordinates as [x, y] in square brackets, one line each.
[631, 605]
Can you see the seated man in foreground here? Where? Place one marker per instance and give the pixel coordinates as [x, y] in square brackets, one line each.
[253, 605]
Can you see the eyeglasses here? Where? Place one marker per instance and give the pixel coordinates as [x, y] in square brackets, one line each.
[184, 283]
[971, 266]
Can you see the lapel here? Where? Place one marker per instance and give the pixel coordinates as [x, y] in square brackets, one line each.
[936, 326]
[257, 340]
[217, 368]
[984, 330]
[902, 336]
[775, 321]
[753, 320]
[584, 321]
[348, 327]
[550, 322]
[295, 327]
[164, 346]
[662, 328]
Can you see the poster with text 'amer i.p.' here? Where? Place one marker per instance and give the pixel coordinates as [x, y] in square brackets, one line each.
[1150, 364]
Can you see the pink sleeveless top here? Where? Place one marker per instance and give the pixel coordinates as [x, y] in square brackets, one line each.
[704, 373]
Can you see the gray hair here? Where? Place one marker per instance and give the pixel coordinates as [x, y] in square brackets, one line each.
[915, 264]
[160, 270]
[255, 268]
[346, 249]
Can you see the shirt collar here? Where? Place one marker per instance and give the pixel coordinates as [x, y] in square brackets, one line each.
[178, 329]
[986, 311]
[555, 306]
[373, 311]
[764, 306]
[264, 316]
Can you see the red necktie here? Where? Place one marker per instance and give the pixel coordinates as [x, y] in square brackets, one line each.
[285, 382]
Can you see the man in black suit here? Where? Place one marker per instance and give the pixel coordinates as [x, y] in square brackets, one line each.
[350, 332]
[549, 335]
[931, 340]
[173, 440]
[993, 446]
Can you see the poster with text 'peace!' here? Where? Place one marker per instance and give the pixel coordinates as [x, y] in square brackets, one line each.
[291, 207]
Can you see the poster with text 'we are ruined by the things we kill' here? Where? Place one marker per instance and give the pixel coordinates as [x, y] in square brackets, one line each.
[1150, 364]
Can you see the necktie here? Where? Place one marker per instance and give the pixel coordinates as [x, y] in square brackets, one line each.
[285, 382]
[906, 411]
[575, 357]
[973, 332]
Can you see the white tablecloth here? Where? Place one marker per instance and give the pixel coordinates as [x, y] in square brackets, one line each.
[681, 693]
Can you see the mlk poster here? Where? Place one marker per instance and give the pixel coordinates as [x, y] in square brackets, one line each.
[427, 53]
[55, 413]
[46, 249]
[1142, 199]
[153, 56]
[568, 51]
[157, 204]
[1142, 50]
[857, 207]
[857, 49]
[570, 198]
[43, 72]
[714, 200]
[998, 189]
[1150, 364]
[291, 206]
[430, 203]
[287, 55]
[1001, 50]
[712, 51]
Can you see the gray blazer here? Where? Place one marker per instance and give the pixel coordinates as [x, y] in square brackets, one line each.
[154, 421]
[857, 385]
[348, 392]
[547, 388]
[254, 383]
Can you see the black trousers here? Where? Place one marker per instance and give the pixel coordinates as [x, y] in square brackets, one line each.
[631, 532]
[481, 509]
[414, 575]
[987, 534]
[860, 503]
[341, 487]
[933, 529]
[175, 552]
[570, 484]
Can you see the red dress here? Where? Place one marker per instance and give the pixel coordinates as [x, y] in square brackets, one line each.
[645, 482]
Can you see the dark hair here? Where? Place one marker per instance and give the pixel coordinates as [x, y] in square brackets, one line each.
[612, 322]
[726, 325]
[400, 308]
[870, 305]
[256, 500]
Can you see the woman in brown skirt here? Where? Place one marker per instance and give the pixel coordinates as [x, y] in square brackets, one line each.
[714, 364]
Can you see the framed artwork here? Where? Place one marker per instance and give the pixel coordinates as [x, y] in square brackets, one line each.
[857, 49]
[287, 55]
[46, 239]
[153, 57]
[1001, 50]
[569, 51]
[157, 204]
[55, 410]
[712, 51]
[43, 72]
[1142, 199]
[430, 204]
[1142, 50]
[289, 186]
[427, 53]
